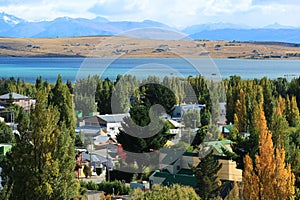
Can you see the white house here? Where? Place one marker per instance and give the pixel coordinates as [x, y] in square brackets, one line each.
[112, 123]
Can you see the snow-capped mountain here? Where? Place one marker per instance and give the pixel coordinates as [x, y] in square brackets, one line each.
[10, 19]
[11, 26]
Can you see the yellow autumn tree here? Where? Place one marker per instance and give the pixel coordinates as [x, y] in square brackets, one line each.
[270, 177]
[240, 117]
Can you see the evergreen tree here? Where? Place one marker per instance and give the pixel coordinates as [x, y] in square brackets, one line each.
[208, 184]
[140, 135]
[103, 96]
[145, 131]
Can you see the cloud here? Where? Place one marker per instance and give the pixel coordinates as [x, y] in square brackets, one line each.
[176, 13]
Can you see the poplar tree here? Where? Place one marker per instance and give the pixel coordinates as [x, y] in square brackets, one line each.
[240, 117]
[60, 97]
[268, 177]
[41, 163]
[279, 124]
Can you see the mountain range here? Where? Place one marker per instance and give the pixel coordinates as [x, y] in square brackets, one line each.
[11, 26]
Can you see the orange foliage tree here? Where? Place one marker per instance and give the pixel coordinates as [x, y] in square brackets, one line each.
[268, 177]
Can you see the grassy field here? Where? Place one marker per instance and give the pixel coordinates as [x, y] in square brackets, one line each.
[110, 47]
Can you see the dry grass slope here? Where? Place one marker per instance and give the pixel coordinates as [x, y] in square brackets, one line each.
[110, 47]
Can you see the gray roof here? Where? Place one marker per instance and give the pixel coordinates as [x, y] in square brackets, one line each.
[13, 96]
[114, 117]
[95, 157]
[89, 130]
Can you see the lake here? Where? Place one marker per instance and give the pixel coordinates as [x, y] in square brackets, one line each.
[28, 69]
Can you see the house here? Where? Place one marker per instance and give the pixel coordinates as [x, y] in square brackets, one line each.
[179, 110]
[175, 166]
[89, 127]
[111, 123]
[18, 99]
[228, 171]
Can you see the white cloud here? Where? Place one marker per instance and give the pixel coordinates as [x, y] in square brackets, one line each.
[172, 12]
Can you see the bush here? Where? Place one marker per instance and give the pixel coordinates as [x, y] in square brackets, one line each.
[119, 187]
[92, 186]
[83, 184]
[124, 174]
[159, 192]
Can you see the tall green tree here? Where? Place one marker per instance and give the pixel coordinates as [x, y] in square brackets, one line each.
[293, 116]
[41, 163]
[269, 103]
[84, 94]
[208, 184]
[60, 97]
[141, 136]
[103, 96]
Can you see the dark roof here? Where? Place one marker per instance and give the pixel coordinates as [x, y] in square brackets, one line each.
[13, 96]
[181, 179]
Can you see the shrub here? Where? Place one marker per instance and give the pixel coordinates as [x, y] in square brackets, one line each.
[161, 192]
[83, 184]
[119, 187]
[92, 186]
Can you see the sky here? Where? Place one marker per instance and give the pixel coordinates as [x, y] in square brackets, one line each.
[175, 13]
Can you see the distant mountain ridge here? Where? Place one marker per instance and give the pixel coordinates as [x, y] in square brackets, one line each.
[11, 26]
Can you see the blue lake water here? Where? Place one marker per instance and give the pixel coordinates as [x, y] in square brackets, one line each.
[28, 69]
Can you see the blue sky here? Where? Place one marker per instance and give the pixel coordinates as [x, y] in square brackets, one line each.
[176, 13]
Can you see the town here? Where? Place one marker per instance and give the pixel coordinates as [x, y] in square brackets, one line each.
[126, 138]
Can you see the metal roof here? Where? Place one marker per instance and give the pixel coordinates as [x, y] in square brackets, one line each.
[218, 145]
[13, 96]
[114, 117]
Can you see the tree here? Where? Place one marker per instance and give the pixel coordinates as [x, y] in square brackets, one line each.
[84, 95]
[158, 192]
[103, 96]
[268, 105]
[41, 163]
[293, 116]
[208, 185]
[6, 134]
[233, 86]
[268, 177]
[279, 125]
[240, 117]
[60, 97]
[144, 131]
[139, 139]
